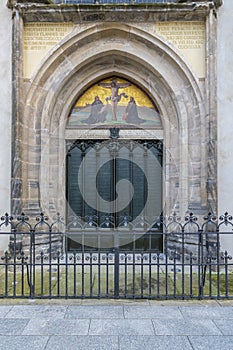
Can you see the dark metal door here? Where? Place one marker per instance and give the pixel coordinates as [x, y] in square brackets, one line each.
[113, 185]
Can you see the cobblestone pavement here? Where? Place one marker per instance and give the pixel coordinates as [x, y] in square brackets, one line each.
[116, 324]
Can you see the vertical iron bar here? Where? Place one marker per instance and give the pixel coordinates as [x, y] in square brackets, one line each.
[22, 274]
[149, 282]
[142, 267]
[58, 275]
[50, 265]
[14, 265]
[32, 244]
[191, 275]
[134, 248]
[83, 268]
[218, 264]
[174, 275]
[74, 272]
[158, 276]
[200, 265]
[34, 266]
[210, 275]
[182, 266]
[166, 264]
[107, 275]
[226, 273]
[126, 272]
[116, 273]
[66, 278]
[99, 272]
[42, 273]
[6, 273]
[91, 276]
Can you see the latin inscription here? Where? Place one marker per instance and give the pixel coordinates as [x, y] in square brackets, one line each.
[184, 35]
[39, 38]
[189, 38]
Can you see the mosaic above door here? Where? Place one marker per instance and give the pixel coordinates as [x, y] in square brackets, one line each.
[114, 101]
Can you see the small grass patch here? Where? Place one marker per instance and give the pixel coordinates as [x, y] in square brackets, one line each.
[99, 281]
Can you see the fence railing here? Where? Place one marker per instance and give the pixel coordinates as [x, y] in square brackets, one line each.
[113, 1]
[168, 259]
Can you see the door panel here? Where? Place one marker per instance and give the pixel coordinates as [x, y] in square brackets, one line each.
[115, 183]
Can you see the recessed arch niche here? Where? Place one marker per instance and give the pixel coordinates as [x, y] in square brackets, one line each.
[114, 102]
[71, 69]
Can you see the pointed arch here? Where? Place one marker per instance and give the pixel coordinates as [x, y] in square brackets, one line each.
[87, 56]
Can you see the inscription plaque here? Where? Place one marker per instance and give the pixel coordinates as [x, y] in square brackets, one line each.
[189, 38]
[39, 38]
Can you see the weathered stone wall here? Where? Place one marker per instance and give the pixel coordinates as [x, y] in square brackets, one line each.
[225, 114]
[124, 42]
[41, 105]
[175, 90]
[5, 112]
[101, 45]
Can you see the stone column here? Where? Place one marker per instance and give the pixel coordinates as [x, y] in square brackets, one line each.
[17, 66]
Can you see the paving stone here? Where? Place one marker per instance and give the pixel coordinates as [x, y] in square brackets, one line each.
[145, 327]
[4, 309]
[121, 326]
[154, 342]
[100, 311]
[37, 311]
[57, 326]
[152, 312]
[12, 326]
[26, 342]
[185, 327]
[203, 312]
[214, 342]
[225, 302]
[178, 302]
[83, 342]
[225, 326]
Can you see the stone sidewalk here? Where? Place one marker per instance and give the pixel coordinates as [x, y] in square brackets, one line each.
[116, 324]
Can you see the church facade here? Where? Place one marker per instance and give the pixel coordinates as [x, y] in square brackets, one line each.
[78, 77]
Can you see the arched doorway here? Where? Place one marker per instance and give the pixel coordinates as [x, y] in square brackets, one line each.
[66, 74]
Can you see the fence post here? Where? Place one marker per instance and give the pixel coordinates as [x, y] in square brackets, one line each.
[201, 274]
[116, 273]
[32, 263]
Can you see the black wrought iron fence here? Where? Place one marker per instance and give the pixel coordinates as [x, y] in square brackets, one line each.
[166, 259]
[112, 1]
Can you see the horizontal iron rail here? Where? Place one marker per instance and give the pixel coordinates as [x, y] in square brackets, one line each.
[112, 1]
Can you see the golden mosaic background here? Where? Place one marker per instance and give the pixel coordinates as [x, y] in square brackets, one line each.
[140, 97]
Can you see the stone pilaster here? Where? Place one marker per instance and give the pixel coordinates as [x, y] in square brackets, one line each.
[17, 83]
[211, 113]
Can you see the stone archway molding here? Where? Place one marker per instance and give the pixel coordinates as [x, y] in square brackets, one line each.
[80, 60]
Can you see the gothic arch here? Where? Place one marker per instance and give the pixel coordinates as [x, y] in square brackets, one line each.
[72, 67]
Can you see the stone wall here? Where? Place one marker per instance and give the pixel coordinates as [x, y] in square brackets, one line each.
[5, 112]
[98, 47]
[103, 42]
[225, 113]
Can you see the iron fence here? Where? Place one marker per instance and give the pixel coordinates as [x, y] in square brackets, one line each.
[112, 1]
[168, 259]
